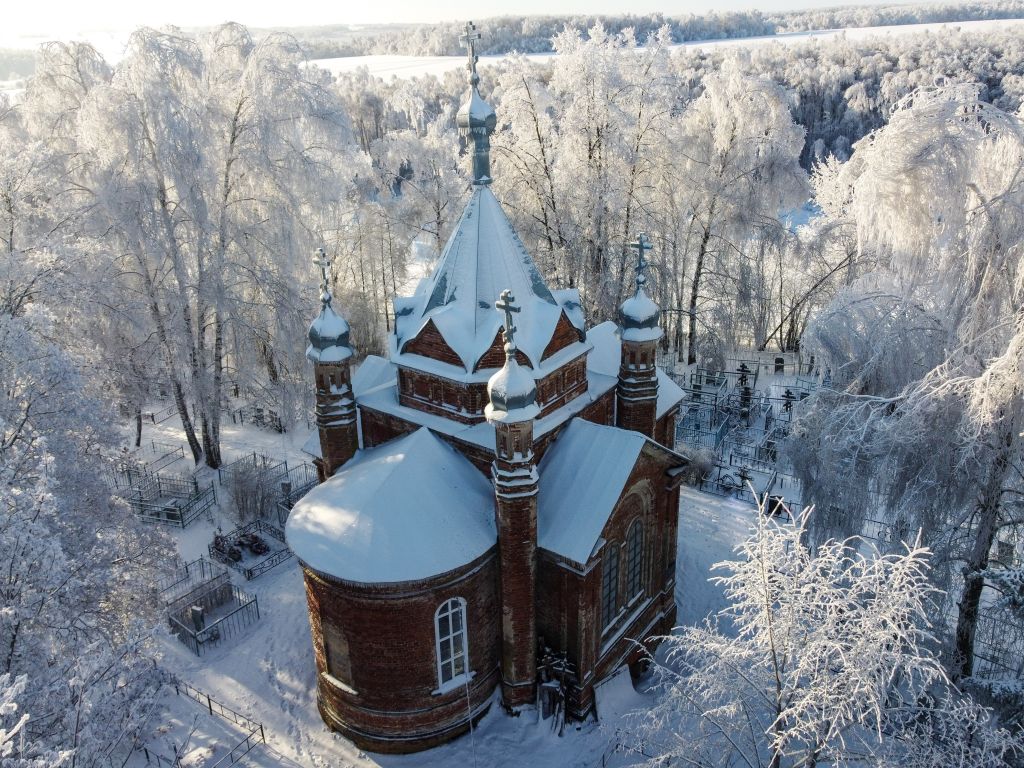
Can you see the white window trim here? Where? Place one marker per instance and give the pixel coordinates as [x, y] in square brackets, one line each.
[456, 682]
[460, 679]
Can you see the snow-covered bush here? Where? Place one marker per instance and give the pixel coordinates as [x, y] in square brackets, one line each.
[821, 657]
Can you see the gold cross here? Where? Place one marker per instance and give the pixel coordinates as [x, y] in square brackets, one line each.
[322, 260]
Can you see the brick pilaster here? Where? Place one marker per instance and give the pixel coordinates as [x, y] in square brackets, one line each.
[636, 397]
[335, 416]
[515, 487]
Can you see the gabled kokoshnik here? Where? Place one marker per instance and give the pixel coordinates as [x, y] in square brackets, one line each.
[483, 257]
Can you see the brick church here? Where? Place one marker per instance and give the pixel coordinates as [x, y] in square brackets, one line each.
[497, 500]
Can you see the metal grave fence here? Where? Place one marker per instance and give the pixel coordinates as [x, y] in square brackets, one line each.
[239, 538]
[170, 500]
[214, 615]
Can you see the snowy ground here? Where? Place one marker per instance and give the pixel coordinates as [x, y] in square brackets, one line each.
[268, 673]
[405, 67]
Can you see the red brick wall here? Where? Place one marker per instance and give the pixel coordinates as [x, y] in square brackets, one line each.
[453, 400]
[379, 428]
[392, 659]
[665, 432]
[565, 334]
[517, 548]
[465, 403]
[637, 392]
[494, 357]
[338, 442]
[562, 386]
[569, 598]
[430, 343]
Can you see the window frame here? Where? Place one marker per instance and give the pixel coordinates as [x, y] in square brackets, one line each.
[610, 574]
[635, 541]
[455, 606]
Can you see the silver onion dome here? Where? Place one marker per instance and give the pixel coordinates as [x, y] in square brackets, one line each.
[512, 391]
[328, 333]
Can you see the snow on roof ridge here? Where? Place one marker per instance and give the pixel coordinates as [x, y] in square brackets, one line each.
[483, 256]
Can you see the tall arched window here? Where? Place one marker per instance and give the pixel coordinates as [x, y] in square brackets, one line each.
[452, 645]
[635, 560]
[609, 584]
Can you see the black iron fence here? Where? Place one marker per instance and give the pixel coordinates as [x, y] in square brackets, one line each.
[240, 541]
[253, 464]
[166, 454]
[300, 481]
[700, 437]
[214, 616]
[187, 578]
[170, 500]
[254, 735]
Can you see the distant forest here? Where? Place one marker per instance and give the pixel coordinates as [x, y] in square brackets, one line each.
[533, 34]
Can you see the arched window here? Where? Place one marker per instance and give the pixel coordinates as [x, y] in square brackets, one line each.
[452, 645]
[610, 584]
[635, 560]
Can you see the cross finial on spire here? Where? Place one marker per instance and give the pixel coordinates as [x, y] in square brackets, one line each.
[641, 246]
[468, 39]
[323, 261]
[506, 304]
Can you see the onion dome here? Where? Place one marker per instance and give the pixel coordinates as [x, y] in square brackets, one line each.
[640, 315]
[476, 114]
[512, 391]
[476, 117]
[328, 333]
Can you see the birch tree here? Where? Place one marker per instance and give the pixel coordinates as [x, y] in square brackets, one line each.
[926, 418]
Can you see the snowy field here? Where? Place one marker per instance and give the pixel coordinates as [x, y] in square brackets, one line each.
[406, 67]
[268, 674]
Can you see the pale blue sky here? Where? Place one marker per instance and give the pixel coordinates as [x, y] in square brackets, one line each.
[57, 18]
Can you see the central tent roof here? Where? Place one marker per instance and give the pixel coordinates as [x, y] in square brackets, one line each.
[483, 257]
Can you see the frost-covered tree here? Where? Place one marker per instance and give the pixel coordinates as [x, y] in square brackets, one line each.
[76, 598]
[207, 161]
[923, 429]
[17, 751]
[819, 658]
[740, 150]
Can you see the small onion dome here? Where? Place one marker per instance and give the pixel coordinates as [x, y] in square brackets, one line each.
[328, 336]
[476, 114]
[639, 317]
[512, 392]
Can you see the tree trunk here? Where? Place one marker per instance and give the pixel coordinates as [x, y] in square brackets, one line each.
[698, 270]
[211, 419]
[988, 524]
[138, 426]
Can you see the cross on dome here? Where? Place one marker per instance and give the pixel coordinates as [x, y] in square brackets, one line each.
[476, 118]
[506, 304]
[328, 333]
[468, 39]
[323, 261]
[641, 245]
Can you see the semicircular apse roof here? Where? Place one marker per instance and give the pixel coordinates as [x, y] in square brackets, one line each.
[408, 510]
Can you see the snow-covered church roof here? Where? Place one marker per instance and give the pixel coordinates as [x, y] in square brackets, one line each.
[483, 257]
[410, 509]
[582, 477]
